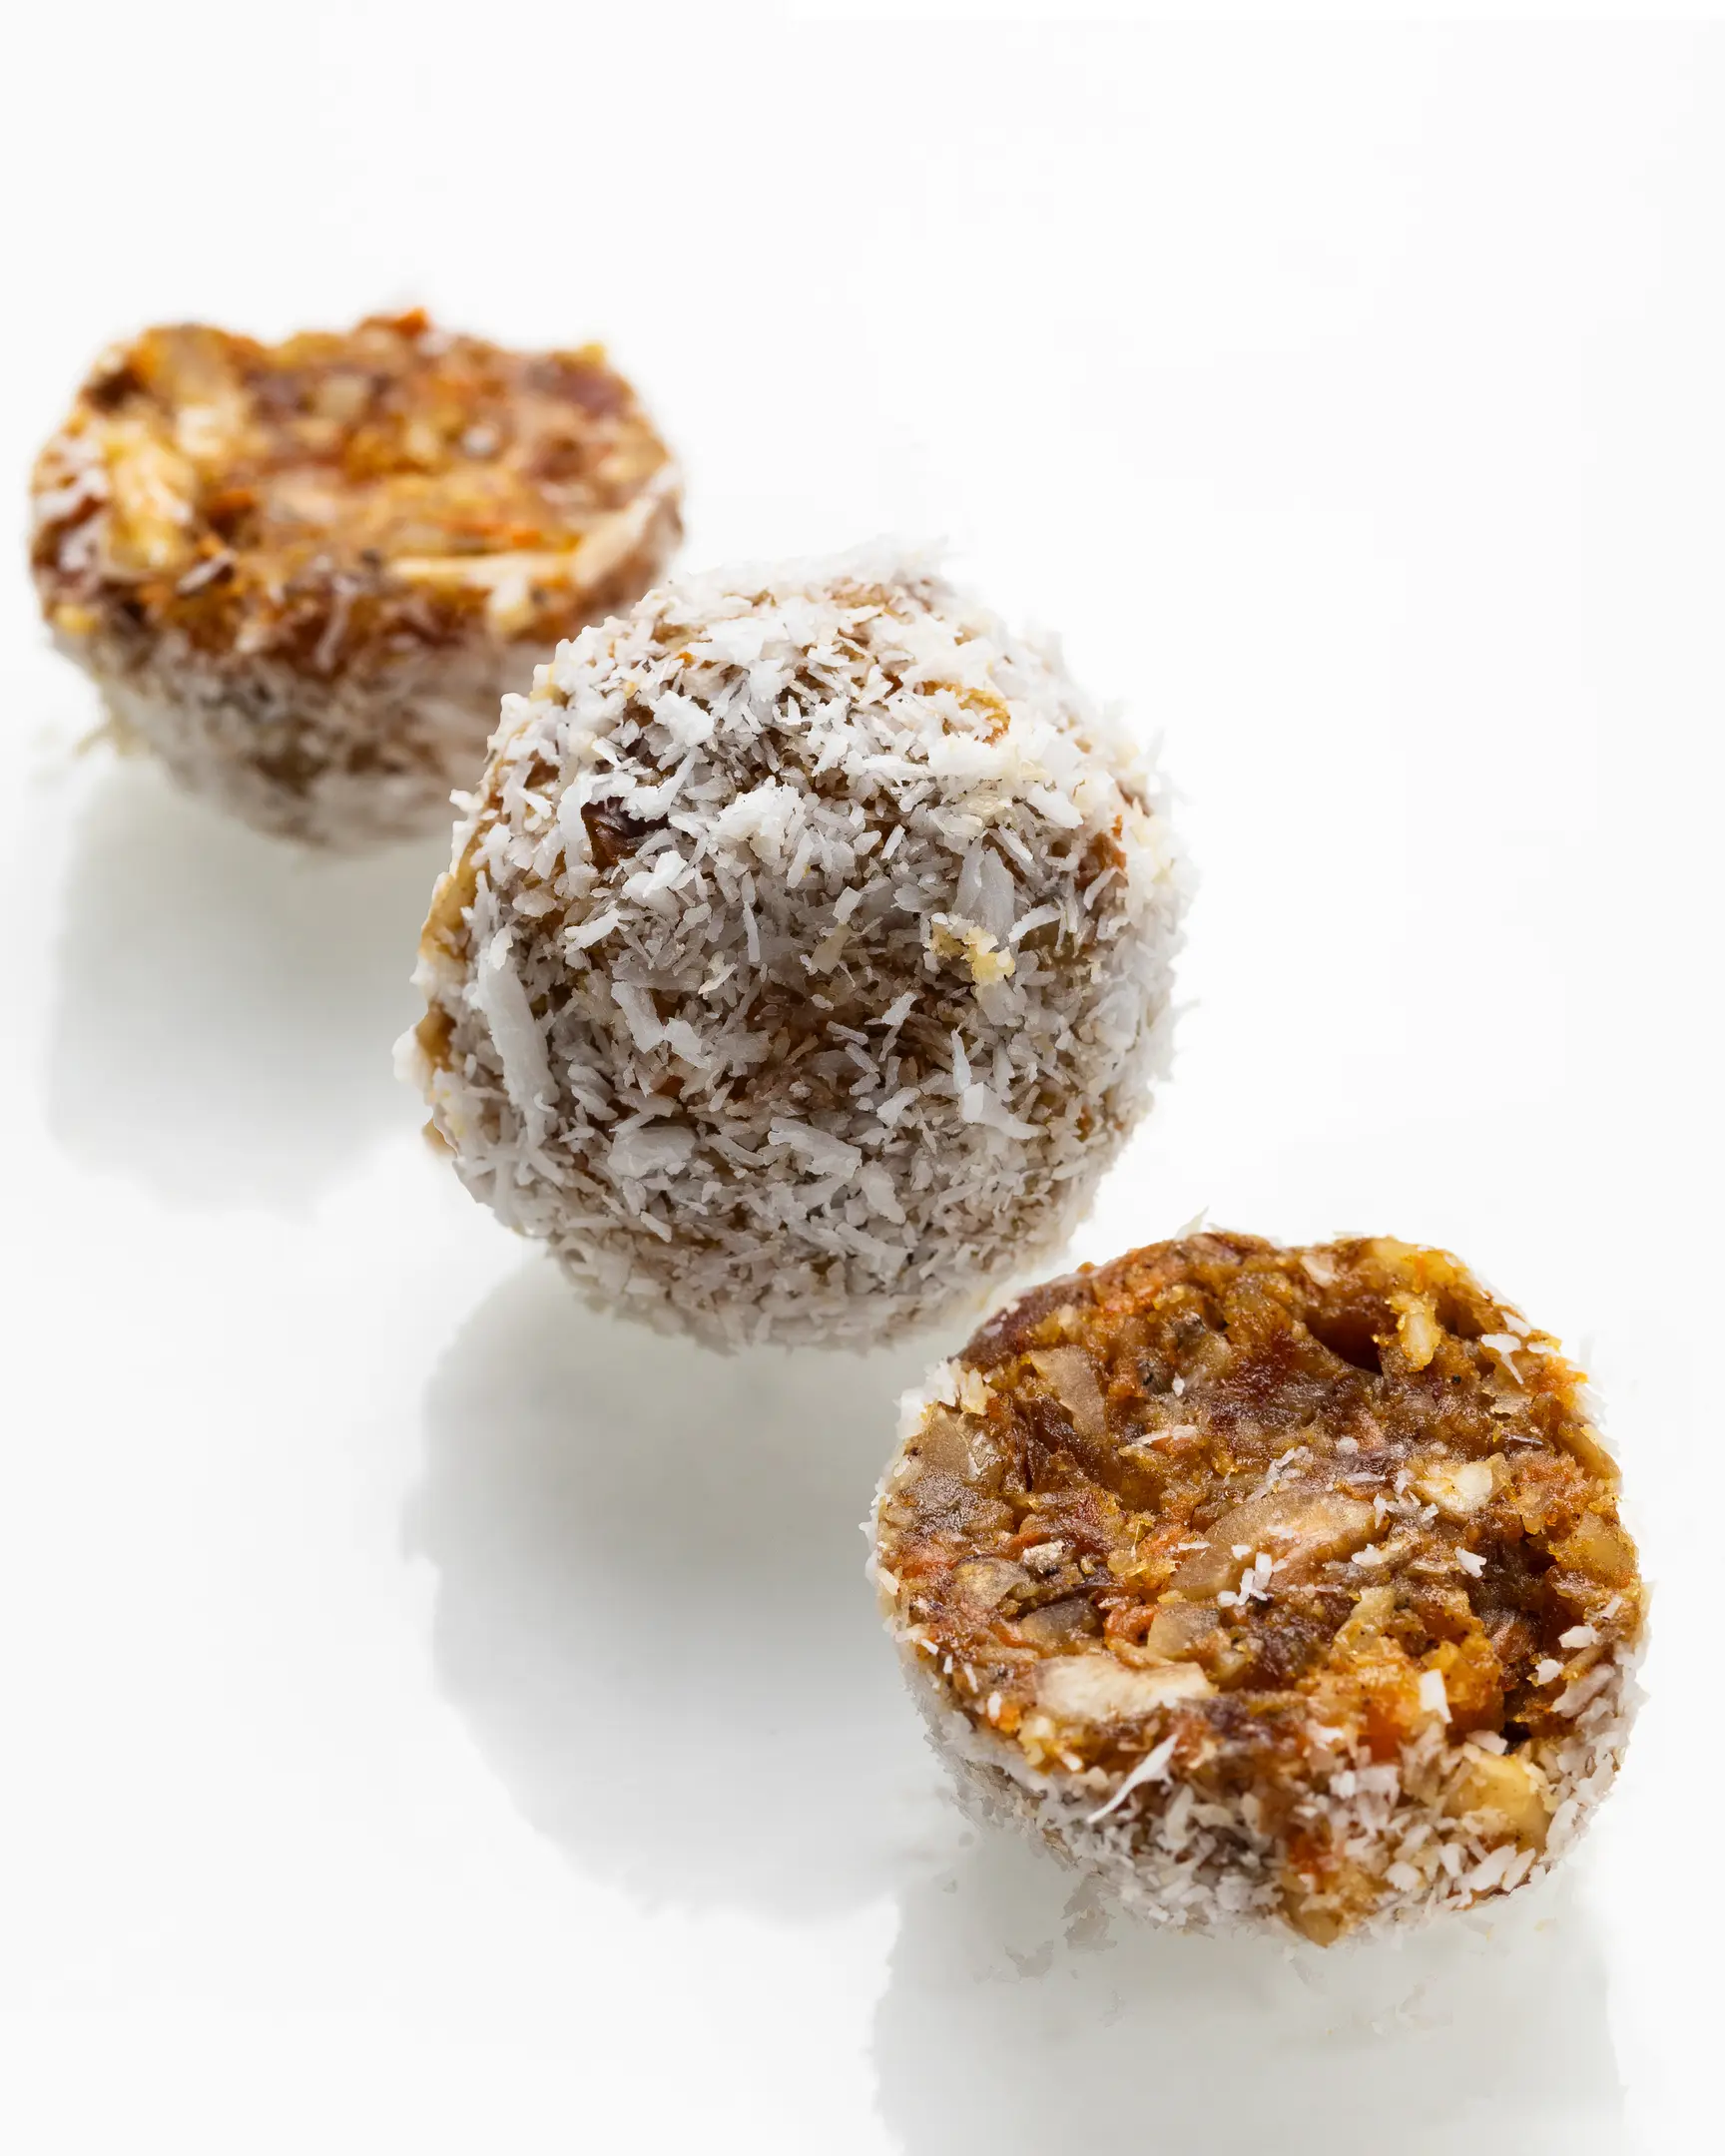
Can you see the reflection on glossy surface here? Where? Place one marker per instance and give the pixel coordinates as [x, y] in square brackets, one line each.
[228, 1004]
[650, 1603]
[1021, 2017]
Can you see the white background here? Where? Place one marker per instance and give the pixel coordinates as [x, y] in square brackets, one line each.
[435, 1721]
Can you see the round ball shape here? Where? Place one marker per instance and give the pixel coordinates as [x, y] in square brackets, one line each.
[305, 574]
[1280, 1588]
[804, 958]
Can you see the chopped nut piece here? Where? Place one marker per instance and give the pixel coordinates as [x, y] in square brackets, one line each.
[1298, 1527]
[1418, 1330]
[1508, 1793]
[1370, 1614]
[1460, 1487]
[1096, 1688]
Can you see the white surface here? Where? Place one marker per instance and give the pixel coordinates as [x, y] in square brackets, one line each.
[436, 1722]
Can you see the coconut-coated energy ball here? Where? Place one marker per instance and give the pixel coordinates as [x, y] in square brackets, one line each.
[804, 958]
[1281, 1589]
[304, 574]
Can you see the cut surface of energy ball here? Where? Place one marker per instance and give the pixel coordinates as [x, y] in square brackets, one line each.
[804, 958]
[305, 574]
[1280, 1587]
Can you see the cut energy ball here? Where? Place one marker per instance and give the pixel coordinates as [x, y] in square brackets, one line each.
[1280, 1587]
[804, 958]
[305, 574]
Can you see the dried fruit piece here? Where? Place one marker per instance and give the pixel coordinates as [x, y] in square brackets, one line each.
[1068, 1375]
[1181, 1629]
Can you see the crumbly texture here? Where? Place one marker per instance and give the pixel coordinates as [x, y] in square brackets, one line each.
[804, 958]
[305, 574]
[1282, 1587]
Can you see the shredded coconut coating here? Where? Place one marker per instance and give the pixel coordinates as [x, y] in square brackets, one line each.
[1281, 1588]
[305, 574]
[804, 958]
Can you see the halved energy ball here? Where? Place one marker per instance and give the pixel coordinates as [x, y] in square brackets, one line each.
[305, 574]
[1280, 1587]
[804, 958]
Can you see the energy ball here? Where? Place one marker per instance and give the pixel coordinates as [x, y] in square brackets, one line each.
[804, 958]
[1281, 1588]
[305, 574]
